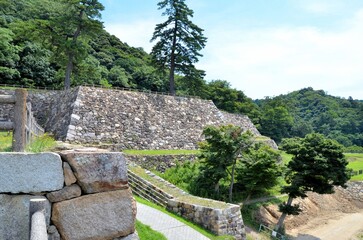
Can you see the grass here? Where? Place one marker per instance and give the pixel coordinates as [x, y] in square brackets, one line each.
[145, 232]
[355, 163]
[5, 141]
[39, 144]
[160, 152]
[176, 193]
[190, 224]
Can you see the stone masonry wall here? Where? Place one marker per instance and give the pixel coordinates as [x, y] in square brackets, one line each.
[127, 119]
[144, 121]
[219, 217]
[85, 200]
[354, 191]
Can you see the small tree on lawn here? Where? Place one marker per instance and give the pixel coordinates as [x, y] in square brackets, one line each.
[223, 146]
[259, 170]
[317, 165]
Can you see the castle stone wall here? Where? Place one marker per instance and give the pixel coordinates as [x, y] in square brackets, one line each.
[144, 121]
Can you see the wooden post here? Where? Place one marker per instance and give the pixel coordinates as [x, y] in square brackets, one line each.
[19, 120]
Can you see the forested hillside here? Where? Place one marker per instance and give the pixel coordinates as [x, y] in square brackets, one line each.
[306, 111]
[44, 42]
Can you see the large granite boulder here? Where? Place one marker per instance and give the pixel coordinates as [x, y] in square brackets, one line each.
[98, 171]
[30, 173]
[100, 216]
[14, 216]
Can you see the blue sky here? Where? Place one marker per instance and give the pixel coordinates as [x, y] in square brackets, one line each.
[263, 47]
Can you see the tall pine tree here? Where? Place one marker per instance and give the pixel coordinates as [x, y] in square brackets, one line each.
[179, 40]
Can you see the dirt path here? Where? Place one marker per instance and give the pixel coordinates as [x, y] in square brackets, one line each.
[340, 226]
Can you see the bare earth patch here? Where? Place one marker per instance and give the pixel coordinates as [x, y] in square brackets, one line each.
[325, 217]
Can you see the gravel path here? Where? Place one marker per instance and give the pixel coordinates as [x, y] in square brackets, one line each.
[169, 226]
[345, 227]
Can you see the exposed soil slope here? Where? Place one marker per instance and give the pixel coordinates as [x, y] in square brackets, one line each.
[330, 216]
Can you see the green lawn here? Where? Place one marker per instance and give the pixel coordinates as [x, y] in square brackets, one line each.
[355, 163]
[145, 232]
[160, 152]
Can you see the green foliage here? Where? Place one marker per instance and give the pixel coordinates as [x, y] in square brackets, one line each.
[259, 170]
[41, 144]
[183, 175]
[313, 111]
[179, 41]
[223, 146]
[145, 232]
[8, 57]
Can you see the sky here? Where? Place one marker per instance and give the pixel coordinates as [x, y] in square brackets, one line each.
[263, 47]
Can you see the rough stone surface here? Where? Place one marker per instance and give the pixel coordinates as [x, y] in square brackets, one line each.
[159, 162]
[14, 216]
[66, 193]
[133, 236]
[98, 171]
[100, 216]
[69, 177]
[26, 173]
[53, 233]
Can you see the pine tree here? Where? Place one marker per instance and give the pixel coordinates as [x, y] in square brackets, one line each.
[179, 40]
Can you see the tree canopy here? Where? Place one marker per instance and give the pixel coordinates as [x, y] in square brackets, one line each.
[317, 165]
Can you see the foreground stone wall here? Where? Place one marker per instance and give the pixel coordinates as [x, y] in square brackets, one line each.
[87, 194]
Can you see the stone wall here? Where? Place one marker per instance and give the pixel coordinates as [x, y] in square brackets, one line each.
[86, 200]
[159, 162]
[128, 120]
[218, 217]
[354, 191]
[144, 121]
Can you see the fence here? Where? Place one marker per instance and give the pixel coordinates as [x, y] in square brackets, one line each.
[24, 125]
[38, 227]
[274, 234]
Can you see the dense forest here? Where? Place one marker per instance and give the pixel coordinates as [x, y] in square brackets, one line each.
[43, 43]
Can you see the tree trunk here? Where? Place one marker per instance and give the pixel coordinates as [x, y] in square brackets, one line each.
[69, 69]
[283, 216]
[67, 79]
[232, 182]
[172, 62]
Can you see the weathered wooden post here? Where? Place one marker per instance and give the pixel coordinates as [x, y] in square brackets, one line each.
[38, 227]
[19, 120]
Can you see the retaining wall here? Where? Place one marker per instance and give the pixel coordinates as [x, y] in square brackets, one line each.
[219, 217]
[128, 119]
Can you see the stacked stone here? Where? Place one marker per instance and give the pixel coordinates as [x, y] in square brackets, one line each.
[160, 162]
[354, 191]
[226, 221]
[87, 195]
[219, 217]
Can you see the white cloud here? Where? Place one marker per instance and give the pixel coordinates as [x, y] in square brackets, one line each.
[136, 34]
[272, 61]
